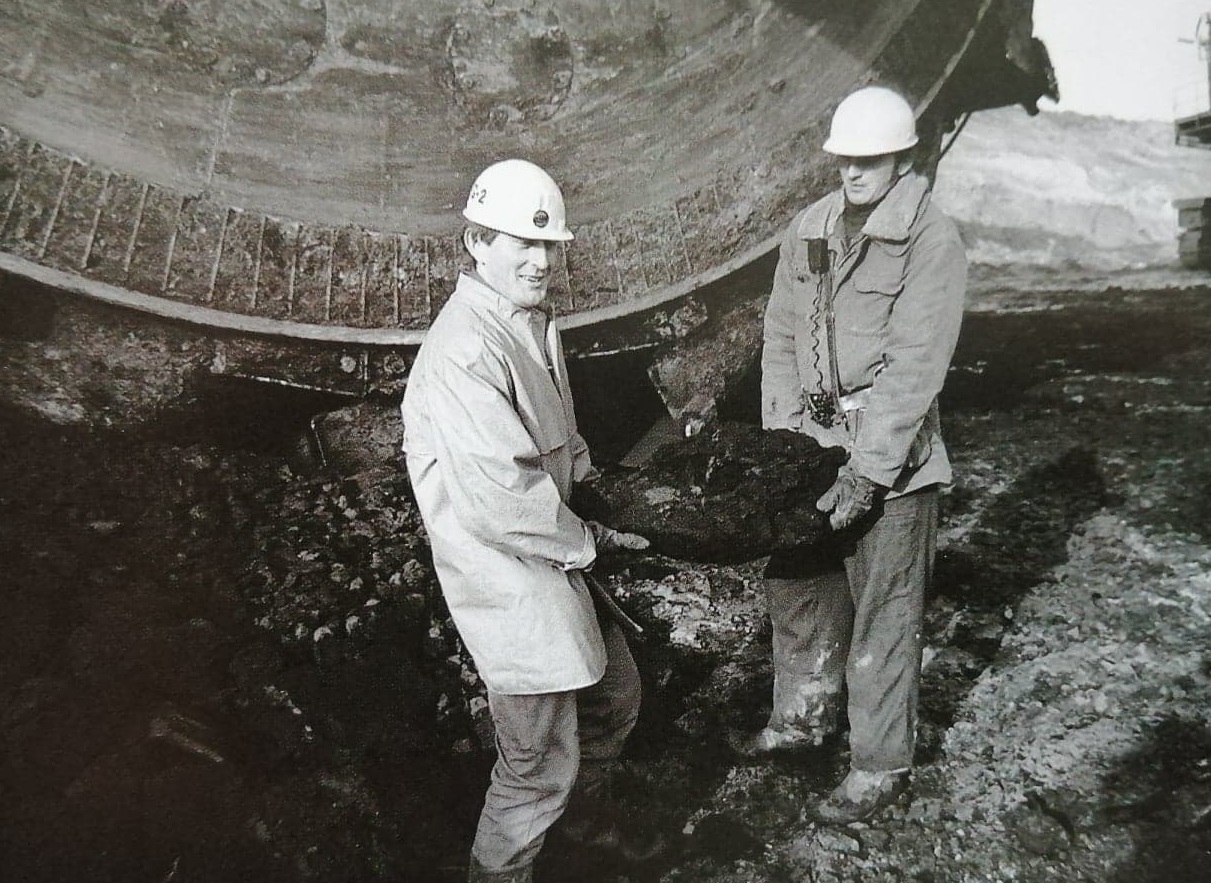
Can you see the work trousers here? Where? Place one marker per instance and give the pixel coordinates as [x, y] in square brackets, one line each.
[550, 745]
[858, 629]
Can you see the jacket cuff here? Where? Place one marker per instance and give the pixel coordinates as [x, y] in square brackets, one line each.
[588, 552]
[884, 478]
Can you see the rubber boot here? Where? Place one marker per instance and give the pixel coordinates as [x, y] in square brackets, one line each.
[594, 822]
[860, 796]
[811, 618]
[477, 873]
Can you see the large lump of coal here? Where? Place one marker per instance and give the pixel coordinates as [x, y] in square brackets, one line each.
[732, 493]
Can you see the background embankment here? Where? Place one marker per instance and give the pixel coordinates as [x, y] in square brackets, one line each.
[1063, 191]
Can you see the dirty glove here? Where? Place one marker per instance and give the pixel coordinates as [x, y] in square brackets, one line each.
[610, 540]
[851, 496]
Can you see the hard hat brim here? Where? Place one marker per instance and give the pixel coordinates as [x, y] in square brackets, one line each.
[535, 233]
[840, 148]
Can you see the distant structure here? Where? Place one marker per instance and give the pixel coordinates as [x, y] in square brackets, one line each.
[1194, 130]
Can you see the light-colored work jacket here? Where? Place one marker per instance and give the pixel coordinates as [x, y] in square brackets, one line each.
[492, 451]
[897, 304]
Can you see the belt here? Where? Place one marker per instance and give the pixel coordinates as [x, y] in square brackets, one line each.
[827, 410]
[855, 401]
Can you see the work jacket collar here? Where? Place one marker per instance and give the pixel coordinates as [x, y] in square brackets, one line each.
[481, 292]
[891, 220]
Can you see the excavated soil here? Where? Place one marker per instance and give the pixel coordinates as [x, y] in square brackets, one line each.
[223, 664]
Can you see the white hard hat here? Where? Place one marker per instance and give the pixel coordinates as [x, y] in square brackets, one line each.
[871, 122]
[517, 197]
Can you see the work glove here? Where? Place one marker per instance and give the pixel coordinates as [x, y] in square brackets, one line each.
[851, 496]
[610, 540]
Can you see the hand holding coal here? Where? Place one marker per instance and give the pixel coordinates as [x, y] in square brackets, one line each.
[732, 493]
[850, 497]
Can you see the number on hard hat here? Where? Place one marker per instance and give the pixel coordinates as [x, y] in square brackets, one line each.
[519, 198]
[871, 122]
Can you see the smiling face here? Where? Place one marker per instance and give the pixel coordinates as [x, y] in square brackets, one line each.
[517, 269]
[867, 179]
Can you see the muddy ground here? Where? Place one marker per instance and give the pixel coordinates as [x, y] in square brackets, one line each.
[222, 663]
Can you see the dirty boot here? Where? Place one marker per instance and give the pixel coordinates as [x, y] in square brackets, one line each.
[812, 619]
[777, 740]
[597, 830]
[630, 844]
[477, 873]
[860, 796]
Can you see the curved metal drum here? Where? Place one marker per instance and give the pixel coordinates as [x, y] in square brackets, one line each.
[291, 166]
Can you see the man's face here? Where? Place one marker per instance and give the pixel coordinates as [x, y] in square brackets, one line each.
[866, 179]
[518, 269]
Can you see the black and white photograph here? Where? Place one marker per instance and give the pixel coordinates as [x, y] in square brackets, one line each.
[632, 441]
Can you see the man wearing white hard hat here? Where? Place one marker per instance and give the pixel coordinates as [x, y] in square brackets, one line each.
[860, 329]
[492, 451]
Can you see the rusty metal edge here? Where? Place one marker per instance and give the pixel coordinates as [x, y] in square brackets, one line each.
[208, 317]
[179, 311]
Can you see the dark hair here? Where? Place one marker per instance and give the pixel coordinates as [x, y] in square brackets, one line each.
[479, 231]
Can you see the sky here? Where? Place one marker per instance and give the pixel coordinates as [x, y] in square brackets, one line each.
[1125, 58]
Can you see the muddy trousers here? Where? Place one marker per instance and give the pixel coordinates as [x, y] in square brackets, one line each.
[552, 748]
[859, 630]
